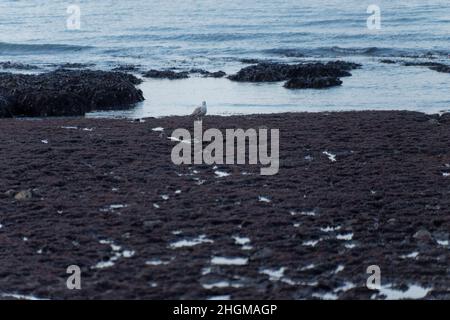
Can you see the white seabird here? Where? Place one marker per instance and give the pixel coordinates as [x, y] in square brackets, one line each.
[200, 111]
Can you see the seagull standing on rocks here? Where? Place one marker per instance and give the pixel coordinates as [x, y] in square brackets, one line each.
[200, 111]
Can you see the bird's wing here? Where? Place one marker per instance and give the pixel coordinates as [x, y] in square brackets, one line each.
[196, 112]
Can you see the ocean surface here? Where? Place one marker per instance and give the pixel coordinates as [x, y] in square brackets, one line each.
[215, 35]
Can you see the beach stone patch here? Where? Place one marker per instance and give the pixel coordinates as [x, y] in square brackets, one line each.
[24, 195]
[362, 210]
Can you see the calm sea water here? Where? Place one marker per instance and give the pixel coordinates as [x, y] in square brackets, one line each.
[216, 34]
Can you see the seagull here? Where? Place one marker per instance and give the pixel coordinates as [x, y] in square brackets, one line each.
[200, 111]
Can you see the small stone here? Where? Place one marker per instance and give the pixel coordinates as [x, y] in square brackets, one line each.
[423, 235]
[24, 195]
[392, 221]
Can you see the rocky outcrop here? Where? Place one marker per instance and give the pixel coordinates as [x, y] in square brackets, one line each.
[305, 73]
[165, 74]
[388, 61]
[441, 68]
[173, 75]
[75, 65]
[66, 93]
[127, 68]
[435, 66]
[208, 74]
[17, 66]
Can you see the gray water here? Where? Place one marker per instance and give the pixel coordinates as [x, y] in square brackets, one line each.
[214, 35]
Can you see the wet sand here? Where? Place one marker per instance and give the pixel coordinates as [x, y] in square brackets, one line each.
[106, 196]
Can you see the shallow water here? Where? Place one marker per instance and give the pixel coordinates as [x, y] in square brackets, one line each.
[214, 35]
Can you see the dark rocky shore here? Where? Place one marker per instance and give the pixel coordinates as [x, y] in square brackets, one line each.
[104, 195]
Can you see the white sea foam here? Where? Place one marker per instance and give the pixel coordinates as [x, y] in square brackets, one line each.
[190, 242]
[20, 296]
[339, 268]
[221, 285]
[274, 274]
[308, 267]
[346, 237]
[224, 261]
[414, 292]
[220, 298]
[334, 295]
[303, 213]
[330, 229]
[117, 253]
[311, 243]
[241, 240]
[412, 255]
[221, 174]
[331, 157]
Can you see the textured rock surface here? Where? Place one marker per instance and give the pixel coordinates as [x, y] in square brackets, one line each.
[165, 74]
[273, 72]
[435, 66]
[107, 189]
[17, 66]
[209, 74]
[314, 83]
[66, 93]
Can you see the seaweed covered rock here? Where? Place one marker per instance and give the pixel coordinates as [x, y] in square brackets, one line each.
[17, 66]
[273, 72]
[127, 68]
[165, 74]
[209, 74]
[66, 93]
[312, 83]
[75, 65]
[262, 72]
[435, 66]
[441, 68]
